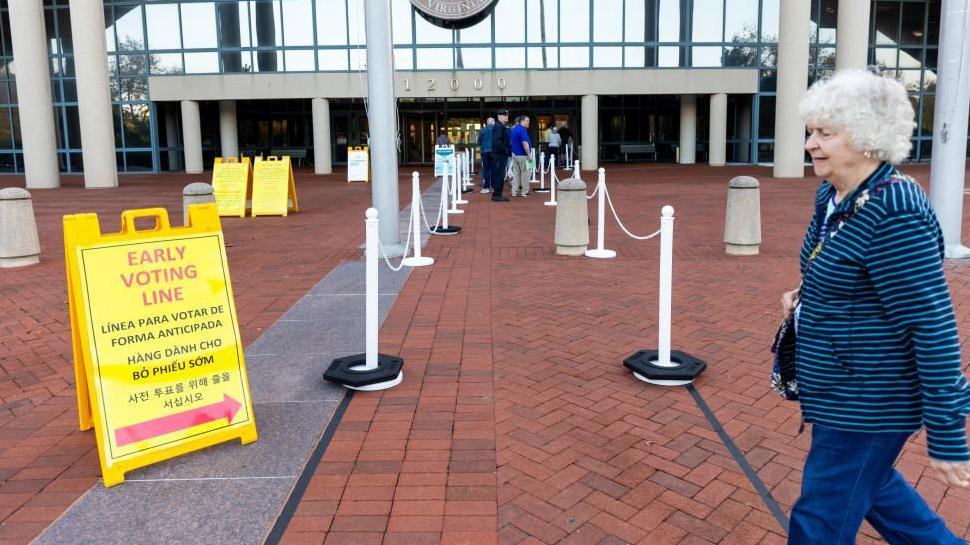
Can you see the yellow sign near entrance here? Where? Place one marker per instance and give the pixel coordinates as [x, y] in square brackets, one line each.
[230, 184]
[274, 189]
[157, 352]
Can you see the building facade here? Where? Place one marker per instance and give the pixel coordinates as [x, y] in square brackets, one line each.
[630, 80]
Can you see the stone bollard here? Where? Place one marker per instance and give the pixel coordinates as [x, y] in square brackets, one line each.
[742, 224]
[19, 244]
[572, 218]
[195, 193]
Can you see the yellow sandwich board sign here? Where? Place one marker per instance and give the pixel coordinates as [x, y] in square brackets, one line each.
[157, 354]
[230, 184]
[274, 190]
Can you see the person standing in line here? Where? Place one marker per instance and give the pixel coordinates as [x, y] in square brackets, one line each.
[555, 141]
[521, 155]
[876, 344]
[442, 139]
[485, 145]
[500, 155]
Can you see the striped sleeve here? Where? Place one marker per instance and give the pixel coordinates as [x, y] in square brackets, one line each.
[904, 263]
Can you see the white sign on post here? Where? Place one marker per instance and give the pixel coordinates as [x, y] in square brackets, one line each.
[358, 164]
[442, 155]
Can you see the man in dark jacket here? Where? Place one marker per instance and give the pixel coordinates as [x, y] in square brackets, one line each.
[501, 149]
[485, 145]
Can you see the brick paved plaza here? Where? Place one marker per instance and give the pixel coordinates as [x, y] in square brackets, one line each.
[515, 423]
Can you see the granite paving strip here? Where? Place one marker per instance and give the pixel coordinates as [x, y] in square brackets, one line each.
[232, 494]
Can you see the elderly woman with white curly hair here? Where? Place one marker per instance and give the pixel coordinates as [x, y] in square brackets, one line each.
[875, 347]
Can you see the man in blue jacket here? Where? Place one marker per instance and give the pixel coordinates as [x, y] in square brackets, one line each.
[485, 145]
[500, 155]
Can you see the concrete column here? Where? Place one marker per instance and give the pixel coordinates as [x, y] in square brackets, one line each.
[192, 137]
[93, 97]
[852, 34]
[792, 84]
[948, 169]
[322, 151]
[228, 134]
[38, 134]
[590, 115]
[718, 134]
[744, 129]
[172, 138]
[382, 120]
[688, 129]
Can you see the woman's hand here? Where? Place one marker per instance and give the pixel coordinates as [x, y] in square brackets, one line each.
[952, 473]
[788, 301]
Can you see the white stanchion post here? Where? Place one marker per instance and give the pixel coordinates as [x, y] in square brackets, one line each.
[666, 283]
[600, 252]
[416, 260]
[553, 181]
[456, 184]
[370, 241]
[542, 171]
[471, 162]
[576, 173]
[466, 170]
[532, 157]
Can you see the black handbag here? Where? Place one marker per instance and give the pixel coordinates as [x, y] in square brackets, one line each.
[783, 380]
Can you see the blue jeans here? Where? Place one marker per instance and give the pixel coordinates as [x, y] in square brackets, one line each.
[849, 476]
[486, 170]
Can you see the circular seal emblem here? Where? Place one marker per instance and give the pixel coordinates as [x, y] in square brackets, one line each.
[454, 13]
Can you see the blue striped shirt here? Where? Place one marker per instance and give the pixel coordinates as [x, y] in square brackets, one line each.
[878, 348]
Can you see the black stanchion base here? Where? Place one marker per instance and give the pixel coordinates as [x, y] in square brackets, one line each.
[343, 371]
[450, 230]
[644, 367]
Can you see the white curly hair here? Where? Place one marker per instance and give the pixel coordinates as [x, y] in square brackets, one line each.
[874, 110]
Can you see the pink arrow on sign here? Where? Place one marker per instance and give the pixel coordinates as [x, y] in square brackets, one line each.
[227, 408]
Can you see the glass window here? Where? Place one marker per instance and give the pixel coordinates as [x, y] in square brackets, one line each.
[702, 57]
[266, 61]
[435, 59]
[607, 57]
[605, 18]
[199, 25]
[912, 23]
[74, 127]
[476, 57]
[826, 58]
[741, 21]
[543, 57]
[769, 20]
[136, 125]
[708, 18]
[668, 57]
[403, 59]
[131, 32]
[766, 125]
[298, 23]
[477, 34]
[132, 65]
[6, 139]
[633, 57]
[929, 104]
[266, 25]
[234, 24]
[574, 57]
[202, 63]
[355, 23]
[358, 59]
[634, 21]
[910, 78]
[911, 58]
[574, 22]
[669, 20]
[886, 57]
[933, 25]
[741, 56]
[300, 61]
[542, 21]
[166, 63]
[138, 161]
[932, 56]
[65, 45]
[827, 21]
[163, 26]
[887, 22]
[431, 34]
[401, 21]
[336, 59]
[132, 88]
[510, 23]
[331, 22]
[509, 57]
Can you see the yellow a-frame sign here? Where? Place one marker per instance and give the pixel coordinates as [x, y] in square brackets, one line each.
[274, 188]
[157, 353]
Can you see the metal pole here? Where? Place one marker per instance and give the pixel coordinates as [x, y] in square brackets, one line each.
[947, 171]
[382, 121]
[371, 241]
[666, 282]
